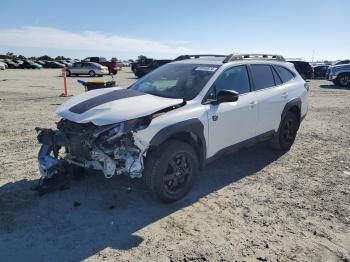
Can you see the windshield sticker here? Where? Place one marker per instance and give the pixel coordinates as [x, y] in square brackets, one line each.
[206, 68]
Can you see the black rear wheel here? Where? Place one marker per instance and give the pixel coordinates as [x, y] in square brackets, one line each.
[171, 171]
[92, 73]
[343, 80]
[287, 132]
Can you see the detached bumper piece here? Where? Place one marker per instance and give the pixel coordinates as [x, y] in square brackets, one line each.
[54, 172]
[92, 85]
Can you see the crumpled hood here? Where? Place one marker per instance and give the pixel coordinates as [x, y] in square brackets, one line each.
[112, 105]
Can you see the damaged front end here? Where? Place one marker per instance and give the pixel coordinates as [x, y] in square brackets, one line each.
[113, 149]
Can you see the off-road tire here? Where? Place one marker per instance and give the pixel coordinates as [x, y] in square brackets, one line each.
[284, 138]
[156, 174]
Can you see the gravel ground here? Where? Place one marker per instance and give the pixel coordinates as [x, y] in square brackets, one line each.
[255, 205]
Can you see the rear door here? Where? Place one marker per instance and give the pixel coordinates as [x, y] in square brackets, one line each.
[77, 68]
[85, 68]
[271, 95]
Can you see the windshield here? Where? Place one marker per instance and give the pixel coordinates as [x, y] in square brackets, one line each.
[176, 80]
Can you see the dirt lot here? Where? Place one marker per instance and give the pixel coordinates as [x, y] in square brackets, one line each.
[255, 205]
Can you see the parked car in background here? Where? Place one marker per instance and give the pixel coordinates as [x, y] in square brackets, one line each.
[65, 63]
[18, 61]
[126, 63]
[140, 71]
[320, 71]
[4, 63]
[87, 68]
[113, 65]
[53, 64]
[343, 62]
[41, 62]
[28, 64]
[339, 75]
[2, 66]
[304, 69]
[141, 62]
[11, 64]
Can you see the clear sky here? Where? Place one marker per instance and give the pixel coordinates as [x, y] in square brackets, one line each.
[165, 29]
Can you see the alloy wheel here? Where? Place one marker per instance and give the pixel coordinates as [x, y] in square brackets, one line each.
[178, 174]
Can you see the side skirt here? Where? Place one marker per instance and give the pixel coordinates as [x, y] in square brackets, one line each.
[244, 144]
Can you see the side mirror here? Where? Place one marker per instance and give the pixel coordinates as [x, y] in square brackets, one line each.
[226, 96]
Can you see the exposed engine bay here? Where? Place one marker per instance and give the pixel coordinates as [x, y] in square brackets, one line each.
[112, 149]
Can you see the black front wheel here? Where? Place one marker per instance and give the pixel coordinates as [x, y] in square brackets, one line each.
[171, 171]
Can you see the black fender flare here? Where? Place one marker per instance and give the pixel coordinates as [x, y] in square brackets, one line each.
[289, 105]
[191, 126]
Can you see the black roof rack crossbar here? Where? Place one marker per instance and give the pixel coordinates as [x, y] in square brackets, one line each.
[234, 57]
[184, 57]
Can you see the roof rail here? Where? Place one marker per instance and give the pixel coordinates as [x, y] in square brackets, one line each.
[184, 57]
[234, 57]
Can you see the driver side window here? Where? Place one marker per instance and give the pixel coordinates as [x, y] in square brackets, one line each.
[235, 78]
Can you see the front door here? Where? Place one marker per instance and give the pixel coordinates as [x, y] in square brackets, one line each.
[232, 122]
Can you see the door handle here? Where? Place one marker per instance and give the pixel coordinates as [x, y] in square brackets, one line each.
[284, 95]
[253, 104]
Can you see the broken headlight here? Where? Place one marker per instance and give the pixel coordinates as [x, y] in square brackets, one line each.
[125, 127]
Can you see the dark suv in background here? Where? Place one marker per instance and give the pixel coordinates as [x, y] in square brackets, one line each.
[320, 71]
[140, 71]
[343, 62]
[141, 62]
[304, 69]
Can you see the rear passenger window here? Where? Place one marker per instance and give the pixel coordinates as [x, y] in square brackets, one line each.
[262, 75]
[276, 77]
[284, 73]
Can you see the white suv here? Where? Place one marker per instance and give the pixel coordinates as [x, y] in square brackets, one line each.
[170, 123]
